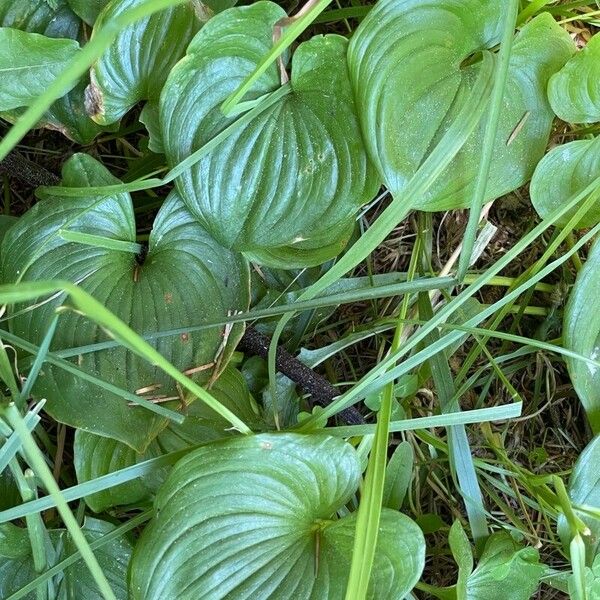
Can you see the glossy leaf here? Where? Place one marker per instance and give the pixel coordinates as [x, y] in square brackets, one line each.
[14, 541]
[29, 63]
[88, 10]
[137, 63]
[75, 582]
[565, 171]
[411, 63]
[185, 279]
[37, 16]
[113, 558]
[506, 570]
[581, 333]
[296, 174]
[67, 114]
[584, 490]
[96, 456]
[245, 519]
[574, 91]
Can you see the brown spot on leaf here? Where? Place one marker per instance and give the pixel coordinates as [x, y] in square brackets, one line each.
[168, 298]
[93, 101]
[185, 337]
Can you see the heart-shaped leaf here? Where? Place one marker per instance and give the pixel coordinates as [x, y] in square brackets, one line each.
[136, 65]
[410, 63]
[29, 63]
[562, 173]
[296, 173]
[581, 333]
[186, 279]
[67, 114]
[256, 518]
[574, 91]
[584, 490]
[96, 456]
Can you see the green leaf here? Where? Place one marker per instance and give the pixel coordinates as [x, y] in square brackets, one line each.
[564, 171]
[95, 456]
[592, 581]
[29, 63]
[113, 558]
[398, 475]
[203, 425]
[506, 570]
[289, 182]
[37, 16]
[88, 10]
[255, 517]
[136, 65]
[581, 333]
[584, 490]
[14, 541]
[411, 63]
[185, 279]
[574, 91]
[67, 114]
[75, 582]
[463, 555]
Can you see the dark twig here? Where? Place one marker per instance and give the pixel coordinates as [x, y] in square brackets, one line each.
[16, 165]
[311, 382]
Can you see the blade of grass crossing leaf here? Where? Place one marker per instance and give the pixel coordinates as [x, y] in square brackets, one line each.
[441, 156]
[461, 458]
[369, 510]
[129, 525]
[6, 371]
[488, 143]
[40, 357]
[99, 42]
[98, 241]
[150, 466]
[89, 306]
[284, 42]
[38, 464]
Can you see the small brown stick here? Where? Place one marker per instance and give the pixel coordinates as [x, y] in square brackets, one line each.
[322, 392]
[278, 30]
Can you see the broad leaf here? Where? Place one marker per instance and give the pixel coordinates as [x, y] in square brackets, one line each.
[37, 16]
[411, 63]
[29, 63]
[256, 518]
[592, 581]
[137, 63]
[581, 333]
[14, 541]
[574, 91]
[506, 570]
[88, 10]
[96, 456]
[76, 582]
[562, 173]
[112, 557]
[584, 490]
[67, 114]
[463, 555]
[186, 279]
[296, 173]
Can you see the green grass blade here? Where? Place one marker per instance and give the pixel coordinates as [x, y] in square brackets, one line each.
[38, 464]
[488, 144]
